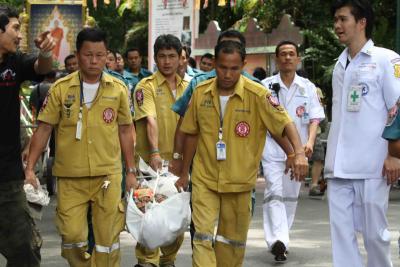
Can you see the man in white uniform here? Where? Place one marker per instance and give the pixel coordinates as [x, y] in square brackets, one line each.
[299, 97]
[366, 84]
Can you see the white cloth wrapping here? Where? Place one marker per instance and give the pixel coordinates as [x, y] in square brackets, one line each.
[38, 196]
[162, 222]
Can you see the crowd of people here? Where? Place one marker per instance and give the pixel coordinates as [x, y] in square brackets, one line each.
[212, 127]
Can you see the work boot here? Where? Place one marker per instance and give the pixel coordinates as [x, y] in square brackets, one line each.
[279, 251]
[315, 191]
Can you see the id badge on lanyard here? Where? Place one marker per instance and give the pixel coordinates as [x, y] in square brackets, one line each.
[305, 119]
[221, 147]
[354, 98]
[78, 133]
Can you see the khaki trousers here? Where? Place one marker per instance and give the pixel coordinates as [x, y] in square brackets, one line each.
[233, 212]
[74, 197]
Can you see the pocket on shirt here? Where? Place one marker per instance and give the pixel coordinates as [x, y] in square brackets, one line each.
[69, 115]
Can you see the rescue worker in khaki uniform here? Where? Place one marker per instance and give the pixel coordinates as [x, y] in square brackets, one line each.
[226, 125]
[90, 112]
[156, 124]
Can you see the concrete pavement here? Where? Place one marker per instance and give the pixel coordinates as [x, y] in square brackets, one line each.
[310, 237]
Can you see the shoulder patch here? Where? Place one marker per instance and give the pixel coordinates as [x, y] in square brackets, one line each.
[139, 96]
[396, 70]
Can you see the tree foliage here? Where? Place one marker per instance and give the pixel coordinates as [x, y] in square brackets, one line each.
[321, 46]
[119, 23]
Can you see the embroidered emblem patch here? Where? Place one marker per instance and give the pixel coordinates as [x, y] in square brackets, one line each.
[45, 101]
[242, 129]
[273, 101]
[365, 88]
[139, 97]
[300, 111]
[108, 115]
[397, 70]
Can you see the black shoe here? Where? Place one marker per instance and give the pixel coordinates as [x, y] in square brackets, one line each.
[279, 251]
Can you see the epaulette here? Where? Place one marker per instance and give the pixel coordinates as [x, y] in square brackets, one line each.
[205, 82]
[64, 79]
[254, 87]
[149, 78]
[115, 79]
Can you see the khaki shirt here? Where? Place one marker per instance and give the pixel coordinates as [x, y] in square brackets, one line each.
[98, 152]
[249, 113]
[154, 98]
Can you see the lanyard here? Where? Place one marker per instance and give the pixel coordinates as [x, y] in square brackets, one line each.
[221, 120]
[82, 96]
[78, 133]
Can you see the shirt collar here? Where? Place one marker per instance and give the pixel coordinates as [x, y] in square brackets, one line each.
[367, 50]
[105, 79]
[161, 79]
[296, 81]
[239, 87]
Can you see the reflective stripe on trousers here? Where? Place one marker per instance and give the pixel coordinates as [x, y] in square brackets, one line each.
[280, 198]
[108, 250]
[233, 243]
[74, 245]
[203, 237]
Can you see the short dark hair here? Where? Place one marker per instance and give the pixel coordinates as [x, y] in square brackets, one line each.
[112, 52]
[68, 58]
[192, 62]
[207, 55]
[260, 73]
[230, 47]
[359, 9]
[90, 35]
[286, 42]
[167, 41]
[232, 34]
[188, 50]
[132, 49]
[6, 12]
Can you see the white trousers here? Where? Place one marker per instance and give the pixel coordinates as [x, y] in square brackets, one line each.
[359, 206]
[280, 202]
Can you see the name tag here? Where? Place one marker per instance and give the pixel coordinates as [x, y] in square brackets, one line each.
[305, 119]
[354, 98]
[78, 134]
[221, 150]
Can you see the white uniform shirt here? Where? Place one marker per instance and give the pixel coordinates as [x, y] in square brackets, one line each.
[356, 149]
[301, 102]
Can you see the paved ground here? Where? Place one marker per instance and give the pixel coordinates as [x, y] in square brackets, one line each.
[310, 237]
